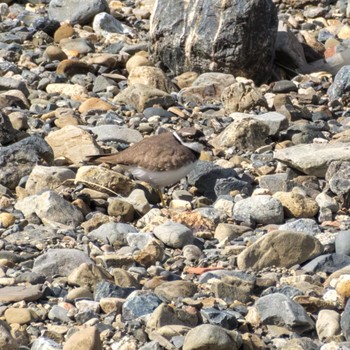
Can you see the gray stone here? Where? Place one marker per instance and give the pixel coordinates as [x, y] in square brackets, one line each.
[139, 303]
[206, 36]
[279, 248]
[210, 337]
[13, 84]
[262, 209]
[284, 86]
[173, 234]
[223, 318]
[43, 343]
[342, 243]
[115, 133]
[341, 84]
[58, 314]
[59, 262]
[105, 24]
[345, 321]
[112, 233]
[75, 11]
[138, 240]
[205, 175]
[327, 202]
[7, 132]
[82, 45]
[50, 207]
[18, 160]
[313, 159]
[105, 289]
[327, 263]
[274, 120]
[286, 290]
[275, 182]
[225, 186]
[338, 175]
[277, 309]
[308, 226]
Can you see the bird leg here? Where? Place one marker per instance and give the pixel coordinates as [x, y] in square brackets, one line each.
[161, 197]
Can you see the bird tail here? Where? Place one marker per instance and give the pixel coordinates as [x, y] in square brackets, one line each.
[104, 158]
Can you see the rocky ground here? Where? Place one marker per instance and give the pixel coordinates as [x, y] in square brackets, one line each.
[253, 248]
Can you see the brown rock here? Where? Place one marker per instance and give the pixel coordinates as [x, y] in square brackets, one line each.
[7, 219]
[18, 315]
[150, 254]
[71, 67]
[121, 209]
[295, 205]
[111, 304]
[176, 289]
[54, 53]
[66, 116]
[150, 76]
[80, 292]
[240, 97]
[279, 248]
[88, 275]
[186, 79]
[72, 143]
[124, 279]
[137, 61]
[142, 96]
[87, 338]
[104, 180]
[93, 104]
[64, 31]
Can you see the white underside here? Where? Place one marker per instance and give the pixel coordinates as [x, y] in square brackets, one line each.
[161, 178]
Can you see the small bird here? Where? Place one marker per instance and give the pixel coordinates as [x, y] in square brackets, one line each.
[160, 160]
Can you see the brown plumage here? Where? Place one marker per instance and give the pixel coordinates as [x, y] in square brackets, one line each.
[159, 153]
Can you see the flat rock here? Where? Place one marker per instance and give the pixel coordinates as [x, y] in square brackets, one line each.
[19, 293]
[313, 159]
[59, 261]
[72, 143]
[115, 133]
[279, 310]
[279, 248]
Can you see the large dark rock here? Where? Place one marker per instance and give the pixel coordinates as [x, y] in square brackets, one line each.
[235, 37]
[18, 159]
